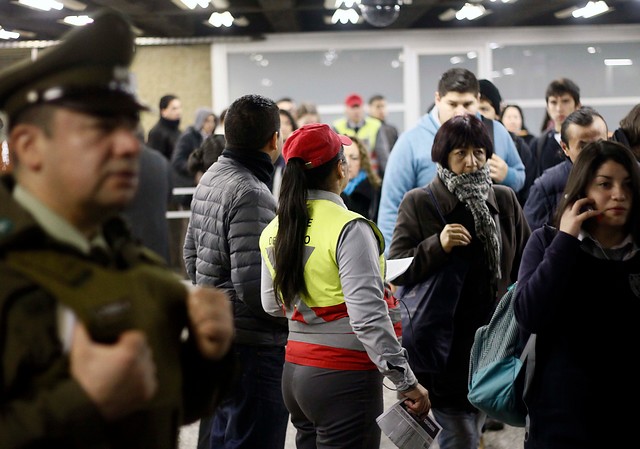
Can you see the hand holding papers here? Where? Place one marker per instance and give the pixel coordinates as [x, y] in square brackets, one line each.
[405, 429]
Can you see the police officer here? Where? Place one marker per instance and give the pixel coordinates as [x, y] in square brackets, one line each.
[97, 351]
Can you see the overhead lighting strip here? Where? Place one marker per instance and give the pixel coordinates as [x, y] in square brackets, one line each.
[44, 5]
[591, 9]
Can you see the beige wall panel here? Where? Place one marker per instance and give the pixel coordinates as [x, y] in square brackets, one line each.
[182, 70]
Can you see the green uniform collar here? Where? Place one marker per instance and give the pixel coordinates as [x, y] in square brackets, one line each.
[53, 224]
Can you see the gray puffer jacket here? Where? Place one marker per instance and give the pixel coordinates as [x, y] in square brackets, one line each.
[230, 208]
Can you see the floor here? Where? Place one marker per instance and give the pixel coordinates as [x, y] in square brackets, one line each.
[508, 438]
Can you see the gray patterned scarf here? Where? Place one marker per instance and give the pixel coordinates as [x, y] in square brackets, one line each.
[473, 190]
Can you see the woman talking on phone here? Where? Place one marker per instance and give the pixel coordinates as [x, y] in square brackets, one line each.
[323, 268]
[579, 291]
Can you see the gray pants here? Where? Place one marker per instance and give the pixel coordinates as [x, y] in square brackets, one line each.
[332, 408]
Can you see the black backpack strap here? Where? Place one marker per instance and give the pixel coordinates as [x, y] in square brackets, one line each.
[488, 123]
[540, 145]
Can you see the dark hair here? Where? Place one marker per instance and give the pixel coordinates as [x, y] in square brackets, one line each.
[590, 159]
[250, 122]
[206, 154]
[458, 80]
[563, 86]
[515, 106]
[376, 97]
[630, 126]
[462, 131]
[293, 217]
[581, 117]
[165, 100]
[365, 162]
[294, 124]
[223, 114]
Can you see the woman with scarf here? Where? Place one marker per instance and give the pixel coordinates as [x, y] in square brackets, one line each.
[362, 193]
[460, 215]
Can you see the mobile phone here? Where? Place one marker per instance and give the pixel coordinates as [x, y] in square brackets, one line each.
[586, 208]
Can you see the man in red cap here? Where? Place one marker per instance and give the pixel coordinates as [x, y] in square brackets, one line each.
[367, 129]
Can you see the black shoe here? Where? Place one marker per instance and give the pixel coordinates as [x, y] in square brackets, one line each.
[492, 424]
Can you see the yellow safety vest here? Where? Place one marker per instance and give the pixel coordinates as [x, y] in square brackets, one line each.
[319, 330]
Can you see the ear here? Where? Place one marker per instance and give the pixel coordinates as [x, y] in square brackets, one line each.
[273, 146]
[436, 97]
[565, 148]
[25, 143]
[343, 170]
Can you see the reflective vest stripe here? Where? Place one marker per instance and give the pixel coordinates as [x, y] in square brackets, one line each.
[328, 357]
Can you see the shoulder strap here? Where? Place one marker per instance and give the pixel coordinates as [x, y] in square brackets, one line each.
[435, 203]
[488, 123]
[540, 145]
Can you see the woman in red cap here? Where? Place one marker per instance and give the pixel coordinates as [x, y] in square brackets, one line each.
[323, 268]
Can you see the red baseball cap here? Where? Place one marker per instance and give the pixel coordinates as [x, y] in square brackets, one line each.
[315, 144]
[353, 100]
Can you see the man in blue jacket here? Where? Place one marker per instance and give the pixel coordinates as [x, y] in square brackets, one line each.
[410, 165]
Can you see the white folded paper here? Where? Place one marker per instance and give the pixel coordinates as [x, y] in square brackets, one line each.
[405, 429]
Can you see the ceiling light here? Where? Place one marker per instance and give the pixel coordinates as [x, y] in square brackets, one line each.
[591, 9]
[44, 5]
[77, 21]
[614, 62]
[448, 15]
[345, 16]
[4, 34]
[191, 4]
[380, 13]
[346, 3]
[221, 19]
[471, 12]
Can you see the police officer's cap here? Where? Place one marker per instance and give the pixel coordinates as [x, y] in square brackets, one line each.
[87, 71]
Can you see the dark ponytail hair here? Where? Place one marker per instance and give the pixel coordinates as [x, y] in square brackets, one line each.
[293, 218]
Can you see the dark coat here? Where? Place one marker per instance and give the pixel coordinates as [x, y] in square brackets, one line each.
[187, 143]
[417, 234]
[547, 152]
[364, 200]
[231, 207]
[147, 212]
[545, 195]
[163, 136]
[584, 311]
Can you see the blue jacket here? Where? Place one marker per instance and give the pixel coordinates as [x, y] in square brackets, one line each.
[545, 194]
[410, 166]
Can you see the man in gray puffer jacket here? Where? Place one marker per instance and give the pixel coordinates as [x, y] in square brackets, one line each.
[231, 206]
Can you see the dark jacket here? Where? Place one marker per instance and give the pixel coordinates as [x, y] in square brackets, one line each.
[364, 200]
[230, 208]
[584, 311]
[545, 195]
[187, 143]
[147, 212]
[547, 152]
[417, 234]
[164, 135]
[42, 405]
[529, 162]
